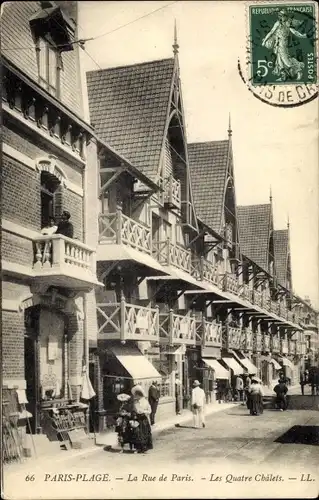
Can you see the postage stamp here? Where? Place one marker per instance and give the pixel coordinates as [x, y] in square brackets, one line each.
[283, 44]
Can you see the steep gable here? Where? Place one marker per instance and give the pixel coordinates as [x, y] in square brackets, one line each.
[281, 247]
[209, 167]
[128, 108]
[255, 222]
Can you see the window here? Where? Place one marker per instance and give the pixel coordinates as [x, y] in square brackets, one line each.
[48, 64]
[49, 184]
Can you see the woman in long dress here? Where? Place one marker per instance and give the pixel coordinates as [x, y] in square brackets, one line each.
[285, 67]
[141, 414]
[255, 398]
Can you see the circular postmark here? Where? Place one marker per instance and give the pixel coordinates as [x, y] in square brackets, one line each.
[281, 67]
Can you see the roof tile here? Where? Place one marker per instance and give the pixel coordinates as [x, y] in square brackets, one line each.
[281, 247]
[128, 108]
[208, 168]
[254, 224]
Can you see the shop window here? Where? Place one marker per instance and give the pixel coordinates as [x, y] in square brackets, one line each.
[49, 67]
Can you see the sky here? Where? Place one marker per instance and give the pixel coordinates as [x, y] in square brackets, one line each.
[273, 147]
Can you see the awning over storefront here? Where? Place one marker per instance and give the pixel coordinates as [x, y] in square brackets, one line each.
[135, 363]
[250, 367]
[220, 371]
[276, 365]
[232, 363]
[287, 362]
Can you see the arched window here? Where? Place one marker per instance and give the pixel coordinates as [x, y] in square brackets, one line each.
[49, 185]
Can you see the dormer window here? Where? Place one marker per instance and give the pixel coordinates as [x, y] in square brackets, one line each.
[48, 66]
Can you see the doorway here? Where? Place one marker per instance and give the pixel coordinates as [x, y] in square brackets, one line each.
[31, 367]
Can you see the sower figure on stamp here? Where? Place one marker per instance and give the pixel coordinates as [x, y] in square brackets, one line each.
[277, 40]
[198, 404]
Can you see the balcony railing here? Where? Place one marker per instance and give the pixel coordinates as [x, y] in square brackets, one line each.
[246, 292]
[62, 261]
[177, 329]
[275, 307]
[234, 337]
[119, 229]
[123, 321]
[172, 192]
[266, 343]
[230, 283]
[284, 346]
[258, 342]
[247, 337]
[204, 270]
[209, 333]
[258, 298]
[168, 253]
[292, 347]
[275, 344]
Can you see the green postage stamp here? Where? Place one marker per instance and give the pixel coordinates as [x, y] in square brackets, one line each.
[283, 44]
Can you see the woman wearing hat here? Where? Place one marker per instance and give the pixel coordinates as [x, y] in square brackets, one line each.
[141, 414]
[255, 397]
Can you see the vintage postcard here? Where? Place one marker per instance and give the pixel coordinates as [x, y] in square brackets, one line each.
[160, 298]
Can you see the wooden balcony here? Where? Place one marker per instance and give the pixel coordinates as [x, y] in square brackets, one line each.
[248, 339]
[266, 343]
[246, 292]
[234, 337]
[292, 347]
[172, 192]
[123, 321]
[258, 298]
[167, 253]
[258, 342]
[117, 228]
[63, 262]
[230, 283]
[284, 346]
[177, 329]
[208, 333]
[204, 270]
[275, 344]
[275, 307]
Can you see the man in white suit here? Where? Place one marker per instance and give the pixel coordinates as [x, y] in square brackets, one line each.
[198, 403]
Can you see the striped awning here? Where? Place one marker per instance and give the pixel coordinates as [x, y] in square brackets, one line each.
[232, 363]
[250, 367]
[220, 371]
[276, 364]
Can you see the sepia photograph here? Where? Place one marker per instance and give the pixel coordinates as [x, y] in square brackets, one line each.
[160, 249]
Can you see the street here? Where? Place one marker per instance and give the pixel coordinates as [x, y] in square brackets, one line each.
[232, 447]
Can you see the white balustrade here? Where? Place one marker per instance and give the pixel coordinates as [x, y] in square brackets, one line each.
[231, 283]
[119, 229]
[60, 253]
[234, 337]
[248, 339]
[258, 342]
[266, 343]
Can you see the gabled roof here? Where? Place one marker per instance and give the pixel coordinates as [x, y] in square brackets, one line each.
[254, 223]
[128, 108]
[208, 167]
[281, 247]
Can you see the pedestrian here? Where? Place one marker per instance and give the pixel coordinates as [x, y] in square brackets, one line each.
[124, 426]
[239, 388]
[247, 389]
[153, 399]
[221, 390]
[255, 398]
[141, 415]
[302, 383]
[65, 227]
[281, 390]
[198, 404]
[178, 386]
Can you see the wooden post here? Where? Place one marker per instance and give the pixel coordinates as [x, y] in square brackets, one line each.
[119, 226]
[170, 326]
[122, 319]
[168, 252]
[204, 331]
[157, 322]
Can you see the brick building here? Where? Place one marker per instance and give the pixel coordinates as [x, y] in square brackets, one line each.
[49, 152]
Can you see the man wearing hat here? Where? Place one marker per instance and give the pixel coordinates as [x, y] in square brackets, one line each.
[198, 403]
[65, 227]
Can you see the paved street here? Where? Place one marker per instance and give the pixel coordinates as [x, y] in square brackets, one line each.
[232, 440]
